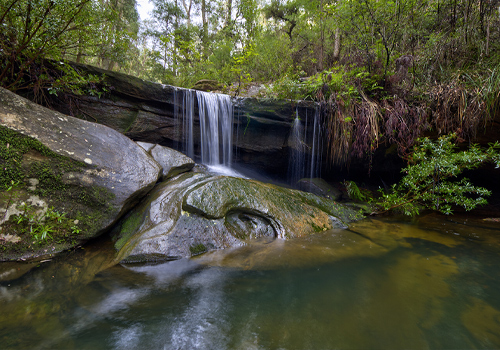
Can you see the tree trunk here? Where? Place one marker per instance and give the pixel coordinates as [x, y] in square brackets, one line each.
[174, 56]
[336, 47]
[188, 10]
[79, 53]
[322, 38]
[205, 27]
[229, 12]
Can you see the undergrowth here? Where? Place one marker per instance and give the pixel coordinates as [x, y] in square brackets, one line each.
[361, 109]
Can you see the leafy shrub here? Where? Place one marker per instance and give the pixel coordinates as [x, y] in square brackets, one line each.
[432, 178]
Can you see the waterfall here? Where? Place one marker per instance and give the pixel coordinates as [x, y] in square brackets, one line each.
[305, 155]
[212, 143]
[216, 128]
[296, 166]
[317, 147]
[188, 121]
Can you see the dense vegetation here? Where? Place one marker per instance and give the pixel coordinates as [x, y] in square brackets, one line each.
[381, 70]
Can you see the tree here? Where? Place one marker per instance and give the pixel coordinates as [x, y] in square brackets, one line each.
[118, 24]
[35, 29]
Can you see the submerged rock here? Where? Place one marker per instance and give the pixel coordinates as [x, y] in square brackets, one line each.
[196, 212]
[85, 171]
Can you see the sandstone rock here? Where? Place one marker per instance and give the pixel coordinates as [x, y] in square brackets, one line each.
[104, 172]
[172, 162]
[146, 145]
[320, 187]
[195, 212]
[207, 85]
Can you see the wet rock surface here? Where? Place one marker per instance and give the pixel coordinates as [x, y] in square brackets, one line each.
[172, 162]
[197, 212]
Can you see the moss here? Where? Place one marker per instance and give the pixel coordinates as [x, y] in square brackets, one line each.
[22, 158]
[197, 249]
[128, 228]
[318, 228]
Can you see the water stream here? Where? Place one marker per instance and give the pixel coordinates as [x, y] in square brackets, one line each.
[305, 148]
[382, 284]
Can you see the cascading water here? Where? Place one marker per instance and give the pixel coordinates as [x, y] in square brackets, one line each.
[317, 146]
[210, 141]
[184, 118]
[301, 162]
[216, 128]
[296, 169]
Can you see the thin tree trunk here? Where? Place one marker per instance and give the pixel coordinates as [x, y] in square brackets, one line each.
[322, 39]
[188, 10]
[336, 47]
[205, 27]
[174, 58]
[229, 11]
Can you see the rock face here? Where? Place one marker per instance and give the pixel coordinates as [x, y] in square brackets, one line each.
[196, 212]
[320, 188]
[207, 85]
[107, 167]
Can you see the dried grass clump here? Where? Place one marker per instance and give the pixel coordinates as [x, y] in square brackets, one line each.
[466, 104]
[403, 124]
[457, 110]
[339, 127]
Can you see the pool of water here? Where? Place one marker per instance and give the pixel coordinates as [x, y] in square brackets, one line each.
[433, 283]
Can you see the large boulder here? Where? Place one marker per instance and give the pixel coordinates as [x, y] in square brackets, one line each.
[67, 167]
[172, 162]
[197, 212]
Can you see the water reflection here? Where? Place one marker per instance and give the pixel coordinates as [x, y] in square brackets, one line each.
[385, 284]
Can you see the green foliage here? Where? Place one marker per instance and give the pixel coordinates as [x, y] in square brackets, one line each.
[432, 180]
[42, 225]
[66, 78]
[343, 82]
[36, 31]
[357, 194]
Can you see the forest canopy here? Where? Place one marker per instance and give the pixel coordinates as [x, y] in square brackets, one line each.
[378, 68]
[258, 40]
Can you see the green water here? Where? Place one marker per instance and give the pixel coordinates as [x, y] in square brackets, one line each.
[382, 284]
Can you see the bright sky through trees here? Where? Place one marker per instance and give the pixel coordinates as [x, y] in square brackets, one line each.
[144, 7]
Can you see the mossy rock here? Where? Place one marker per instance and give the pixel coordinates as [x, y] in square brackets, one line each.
[197, 212]
[207, 85]
[63, 180]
